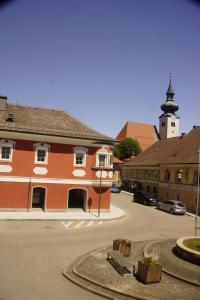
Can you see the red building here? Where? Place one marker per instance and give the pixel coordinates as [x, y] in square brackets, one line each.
[51, 161]
[145, 134]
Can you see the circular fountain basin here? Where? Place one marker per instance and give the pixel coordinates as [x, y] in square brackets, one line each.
[186, 252]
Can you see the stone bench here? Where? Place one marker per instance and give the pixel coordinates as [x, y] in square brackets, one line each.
[122, 263]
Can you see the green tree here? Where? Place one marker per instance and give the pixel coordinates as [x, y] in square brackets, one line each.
[127, 148]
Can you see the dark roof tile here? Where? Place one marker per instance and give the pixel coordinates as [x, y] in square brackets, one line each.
[46, 121]
[177, 150]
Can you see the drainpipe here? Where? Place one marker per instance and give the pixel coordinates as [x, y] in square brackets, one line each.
[100, 181]
[197, 204]
[29, 195]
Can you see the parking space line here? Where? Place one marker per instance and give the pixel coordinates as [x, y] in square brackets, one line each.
[66, 226]
[90, 223]
[79, 224]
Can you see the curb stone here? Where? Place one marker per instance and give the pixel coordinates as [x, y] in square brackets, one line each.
[92, 287]
[104, 290]
[146, 249]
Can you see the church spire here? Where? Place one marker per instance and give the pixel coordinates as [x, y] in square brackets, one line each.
[169, 106]
[169, 121]
[170, 91]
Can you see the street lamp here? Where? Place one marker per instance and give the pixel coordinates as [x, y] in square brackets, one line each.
[100, 182]
[101, 167]
[197, 204]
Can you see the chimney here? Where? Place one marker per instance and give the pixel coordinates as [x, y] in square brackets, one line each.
[3, 101]
[183, 134]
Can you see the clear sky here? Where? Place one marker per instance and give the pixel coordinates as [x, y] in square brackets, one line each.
[103, 61]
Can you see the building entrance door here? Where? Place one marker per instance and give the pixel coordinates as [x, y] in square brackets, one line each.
[77, 198]
[38, 198]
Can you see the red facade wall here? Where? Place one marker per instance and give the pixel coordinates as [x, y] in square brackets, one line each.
[14, 195]
[18, 195]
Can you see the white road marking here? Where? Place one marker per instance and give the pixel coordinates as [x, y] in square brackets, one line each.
[79, 224]
[90, 223]
[66, 225]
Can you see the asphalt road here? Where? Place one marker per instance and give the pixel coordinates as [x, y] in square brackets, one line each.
[33, 253]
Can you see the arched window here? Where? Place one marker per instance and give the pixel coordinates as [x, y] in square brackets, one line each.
[167, 175]
[195, 178]
[179, 175]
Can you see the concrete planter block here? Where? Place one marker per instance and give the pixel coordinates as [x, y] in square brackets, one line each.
[149, 273]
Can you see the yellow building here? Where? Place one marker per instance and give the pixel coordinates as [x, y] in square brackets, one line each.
[168, 169]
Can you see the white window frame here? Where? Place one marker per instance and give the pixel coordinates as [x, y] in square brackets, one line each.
[155, 175]
[7, 143]
[148, 174]
[41, 146]
[83, 151]
[141, 174]
[108, 156]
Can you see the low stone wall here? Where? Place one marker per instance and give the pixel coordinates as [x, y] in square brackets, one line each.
[187, 253]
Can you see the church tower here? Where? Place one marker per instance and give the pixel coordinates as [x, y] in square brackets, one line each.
[169, 121]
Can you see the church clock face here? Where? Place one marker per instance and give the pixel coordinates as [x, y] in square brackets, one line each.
[173, 118]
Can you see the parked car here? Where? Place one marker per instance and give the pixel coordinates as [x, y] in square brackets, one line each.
[144, 198]
[115, 189]
[172, 206]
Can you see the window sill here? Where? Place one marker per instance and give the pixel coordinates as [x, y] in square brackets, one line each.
[102, 168]
[79, 166]
[5, 160]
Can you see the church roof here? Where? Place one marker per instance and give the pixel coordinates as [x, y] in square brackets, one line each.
[177, 150]
[38, 120]
[169, 106]
[170, 88]
[145, 134]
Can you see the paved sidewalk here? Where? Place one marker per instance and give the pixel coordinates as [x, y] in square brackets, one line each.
[115, 213]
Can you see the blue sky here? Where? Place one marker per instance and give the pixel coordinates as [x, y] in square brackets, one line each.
[103, 61]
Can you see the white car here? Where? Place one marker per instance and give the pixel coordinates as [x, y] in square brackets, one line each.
[172, 206]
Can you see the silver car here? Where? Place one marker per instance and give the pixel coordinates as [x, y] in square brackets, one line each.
[172, 206]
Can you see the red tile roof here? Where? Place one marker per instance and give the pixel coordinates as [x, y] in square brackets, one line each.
[117, 161]
[145, 134]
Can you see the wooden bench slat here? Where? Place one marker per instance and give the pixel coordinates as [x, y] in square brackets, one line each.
[122, 261]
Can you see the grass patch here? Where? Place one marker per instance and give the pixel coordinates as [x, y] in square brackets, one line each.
[193, 244]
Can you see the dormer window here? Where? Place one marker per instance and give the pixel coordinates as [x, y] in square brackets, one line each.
[6, 150]
[10, 117]
[80, 156]
[41, 153]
